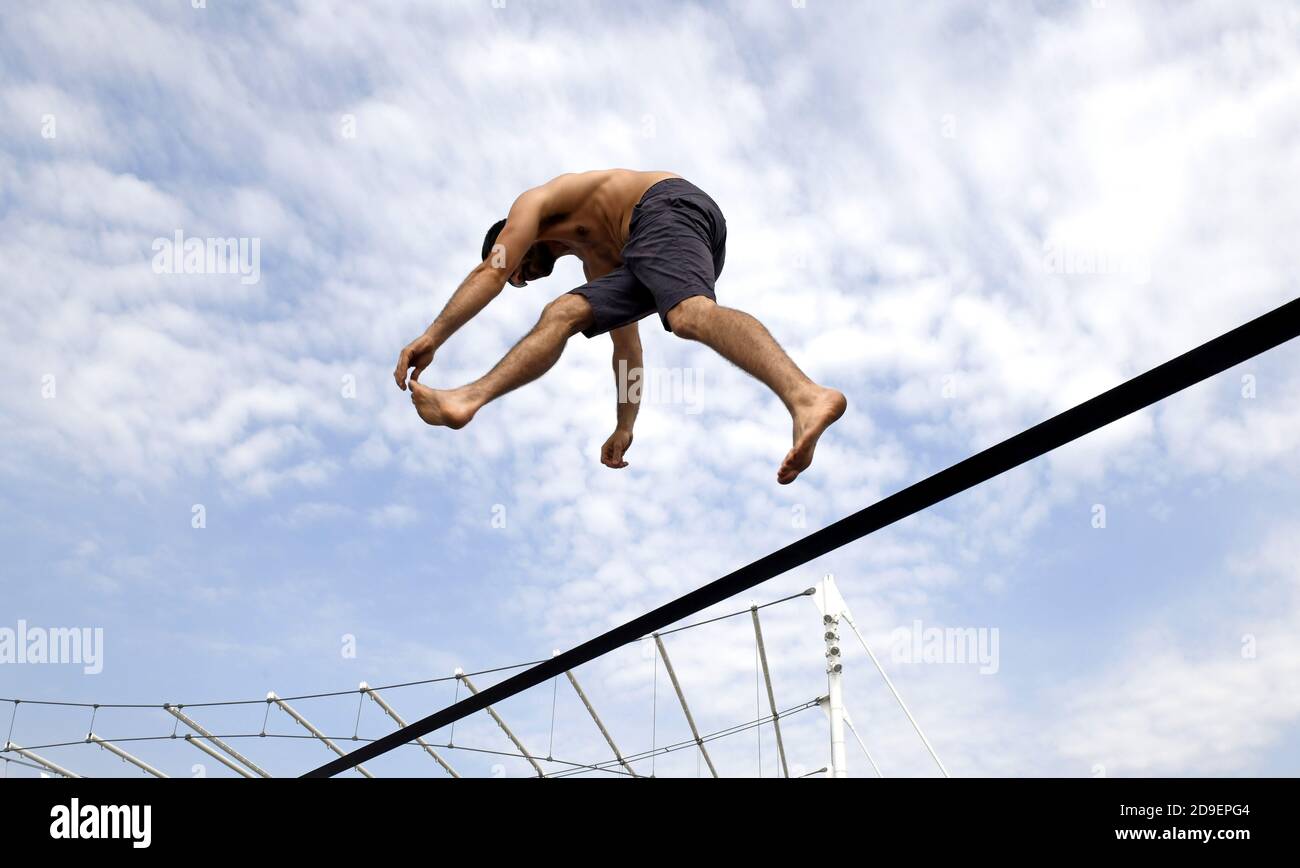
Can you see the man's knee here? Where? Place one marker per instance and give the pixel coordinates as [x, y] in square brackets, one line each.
[688, 318]
[571, 311]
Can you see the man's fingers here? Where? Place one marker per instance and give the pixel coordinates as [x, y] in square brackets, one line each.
[611, 454]
[403, 363]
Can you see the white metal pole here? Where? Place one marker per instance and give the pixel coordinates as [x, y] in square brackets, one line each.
[686, 709]
[397, 718]
[824, 703]
[306, 724]
[853, 729]
[901, 704]
[176, 712]
[230, 764]
[609, 739]
[501, 723]
[771, 696]
[834, 679]
[135, 761]
[36, 758]
[828, 599]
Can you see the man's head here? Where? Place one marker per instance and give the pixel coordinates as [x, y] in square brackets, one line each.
[538, 262]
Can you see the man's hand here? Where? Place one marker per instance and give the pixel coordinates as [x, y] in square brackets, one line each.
[417, 356]
[611, 454]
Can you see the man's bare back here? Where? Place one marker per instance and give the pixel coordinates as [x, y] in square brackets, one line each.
[597, 215]
[648, 241]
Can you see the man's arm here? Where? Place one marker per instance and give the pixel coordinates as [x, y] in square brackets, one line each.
[523, 224]
[487, 280]
[482, 285]
[628, 364]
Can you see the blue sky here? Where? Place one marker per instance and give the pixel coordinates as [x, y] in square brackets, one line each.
[966, 216]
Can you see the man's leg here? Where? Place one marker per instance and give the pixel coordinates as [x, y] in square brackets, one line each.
[743, 341]
[533, 356]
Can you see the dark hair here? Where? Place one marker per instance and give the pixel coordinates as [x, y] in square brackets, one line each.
[491, 238]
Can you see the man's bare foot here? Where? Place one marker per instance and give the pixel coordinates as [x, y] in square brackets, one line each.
[811, 417]
[449, 408]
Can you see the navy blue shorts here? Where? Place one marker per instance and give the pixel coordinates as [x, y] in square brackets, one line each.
[675, 248]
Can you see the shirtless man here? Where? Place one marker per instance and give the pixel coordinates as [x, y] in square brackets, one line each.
[648, 241]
